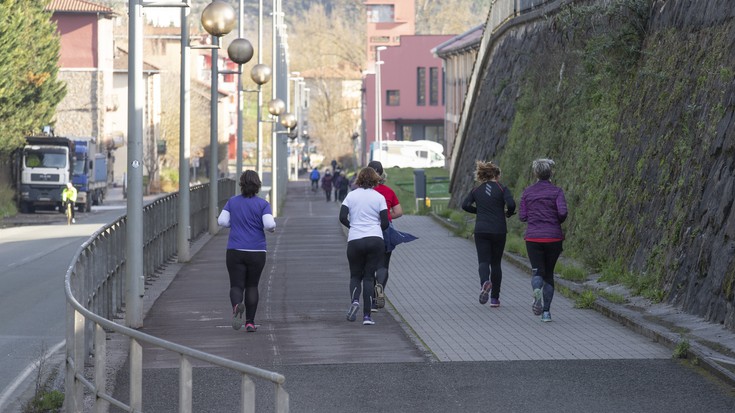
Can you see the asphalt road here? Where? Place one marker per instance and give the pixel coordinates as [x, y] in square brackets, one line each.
[35, 252]
[601, 386]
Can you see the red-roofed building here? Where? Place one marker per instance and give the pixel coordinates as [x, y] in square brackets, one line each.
[85, 65]
[95, 72]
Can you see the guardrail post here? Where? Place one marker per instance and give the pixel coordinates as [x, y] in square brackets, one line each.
[185, 385]
[74, 390]
[136, 375]
[100, 368]
[282, 402]
[247, 395]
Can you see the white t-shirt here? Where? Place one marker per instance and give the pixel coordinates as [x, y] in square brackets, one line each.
[365, 206]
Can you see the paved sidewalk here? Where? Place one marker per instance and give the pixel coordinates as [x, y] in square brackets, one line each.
[434, 286]
[434, 348]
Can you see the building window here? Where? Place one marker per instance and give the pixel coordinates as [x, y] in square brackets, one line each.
[380, 13]
[434, 133]
[433, 86]
[406, 133]
[421, 86]
[444, 85]
[393, 97]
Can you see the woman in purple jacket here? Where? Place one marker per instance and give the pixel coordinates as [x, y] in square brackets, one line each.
[544, 208]
[247, 216]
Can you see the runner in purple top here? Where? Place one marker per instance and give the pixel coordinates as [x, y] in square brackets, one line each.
[247, 216]
[544, 208]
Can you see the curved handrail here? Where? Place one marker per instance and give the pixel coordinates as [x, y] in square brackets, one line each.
[94, 289]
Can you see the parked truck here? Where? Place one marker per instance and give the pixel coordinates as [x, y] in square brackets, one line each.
[41, 169]
[89, 175]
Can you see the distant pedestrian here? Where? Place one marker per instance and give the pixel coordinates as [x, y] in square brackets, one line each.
[327, 184]
[493, 203]
[335, 181]
[247, 216]
[365, 213]
[394, 211]
[544, 208]
[314, 176]
[342, 186]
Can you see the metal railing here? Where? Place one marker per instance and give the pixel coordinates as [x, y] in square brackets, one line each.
[95, 294]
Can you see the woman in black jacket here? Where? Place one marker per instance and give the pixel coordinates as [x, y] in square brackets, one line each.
[493, 203]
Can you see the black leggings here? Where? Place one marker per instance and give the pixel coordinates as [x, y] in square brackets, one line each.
[245, 268]
[543, 257]
[489, 254]
[381, 276]
[365, 255]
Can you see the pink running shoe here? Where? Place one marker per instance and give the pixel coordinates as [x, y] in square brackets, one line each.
[485, 292]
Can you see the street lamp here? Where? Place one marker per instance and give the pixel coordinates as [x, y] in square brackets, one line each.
[276, 107]
[297, 109]
[378, 106]
[260, 74]
[288, 121]
[218, 19]
[240, 51]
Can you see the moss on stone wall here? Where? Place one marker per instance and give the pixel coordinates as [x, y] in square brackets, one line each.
[640, 117]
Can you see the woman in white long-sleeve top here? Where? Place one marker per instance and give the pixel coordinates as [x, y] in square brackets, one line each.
[365, 212]
[248, 217]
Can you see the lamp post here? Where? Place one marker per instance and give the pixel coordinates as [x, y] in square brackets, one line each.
[218, 19]
[378, 105]
[280, 85]
[260, 74]
[184, 228]
[240, 51]
[276, 107]
[134, 229]
[297, 110]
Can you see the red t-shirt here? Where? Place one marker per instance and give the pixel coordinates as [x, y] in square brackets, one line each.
[390, 197]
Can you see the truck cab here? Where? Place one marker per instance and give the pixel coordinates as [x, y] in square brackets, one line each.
[89, 175]
[42, 169]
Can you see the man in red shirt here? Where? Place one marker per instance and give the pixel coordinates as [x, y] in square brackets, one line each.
[394, 211]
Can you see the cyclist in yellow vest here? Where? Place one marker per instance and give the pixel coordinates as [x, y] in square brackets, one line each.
[69, 195]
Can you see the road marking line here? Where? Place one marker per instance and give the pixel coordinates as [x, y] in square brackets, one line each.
[24, 375]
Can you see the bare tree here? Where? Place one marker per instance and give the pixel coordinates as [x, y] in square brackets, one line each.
[331, 45]
[444, 17]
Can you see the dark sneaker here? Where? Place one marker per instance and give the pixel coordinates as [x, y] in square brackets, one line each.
[367, 321]
[374, 308]
[250, 327]
[352, 311]
[485, 292]
[379, 296]
[237, 316]
[537, 306]
[494, 302]
[546, 317]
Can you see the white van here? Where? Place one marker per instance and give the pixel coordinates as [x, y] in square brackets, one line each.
[408, 154]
